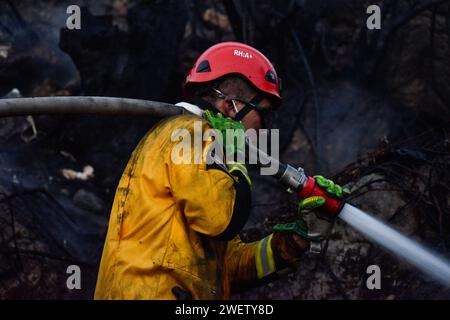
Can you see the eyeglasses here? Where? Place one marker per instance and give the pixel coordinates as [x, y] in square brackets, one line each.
[267, 114]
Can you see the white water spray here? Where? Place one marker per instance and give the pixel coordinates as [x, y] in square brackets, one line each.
[413, 252]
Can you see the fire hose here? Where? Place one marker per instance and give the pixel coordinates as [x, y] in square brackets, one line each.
[295, 180]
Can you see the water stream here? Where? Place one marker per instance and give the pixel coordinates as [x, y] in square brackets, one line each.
[411, 251]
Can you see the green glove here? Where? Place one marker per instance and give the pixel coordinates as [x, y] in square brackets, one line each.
[300, 227]
[331, 188]
[222, 124]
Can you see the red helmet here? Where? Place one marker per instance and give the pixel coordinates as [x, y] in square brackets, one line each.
[234, 57]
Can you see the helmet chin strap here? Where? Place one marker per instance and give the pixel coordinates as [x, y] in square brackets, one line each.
[239, 114]
[248, 107]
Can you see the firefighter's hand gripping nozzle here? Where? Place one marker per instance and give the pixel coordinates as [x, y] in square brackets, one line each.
[315, 193]
[306, 187]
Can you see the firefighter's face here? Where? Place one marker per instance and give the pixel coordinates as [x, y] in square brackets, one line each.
[253, 119]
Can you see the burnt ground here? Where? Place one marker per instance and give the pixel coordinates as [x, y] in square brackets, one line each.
[369, 108]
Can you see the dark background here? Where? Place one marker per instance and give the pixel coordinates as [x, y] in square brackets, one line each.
[370, 108]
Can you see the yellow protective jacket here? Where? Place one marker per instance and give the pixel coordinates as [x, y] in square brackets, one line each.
[171, 225]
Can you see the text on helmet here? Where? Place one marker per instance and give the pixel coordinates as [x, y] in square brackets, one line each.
[243, 54]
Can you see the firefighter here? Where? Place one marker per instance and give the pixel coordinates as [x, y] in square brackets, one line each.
[173, 230]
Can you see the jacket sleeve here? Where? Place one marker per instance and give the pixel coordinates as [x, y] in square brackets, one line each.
[206, 197]
[215, 201]
[247, 264]
[240, 265]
